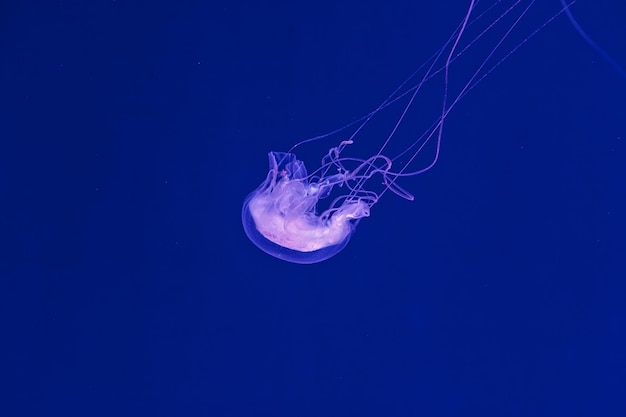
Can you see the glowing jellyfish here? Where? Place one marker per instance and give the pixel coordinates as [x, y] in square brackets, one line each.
[284, 215]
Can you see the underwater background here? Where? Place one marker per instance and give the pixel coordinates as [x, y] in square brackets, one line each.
[132, 131]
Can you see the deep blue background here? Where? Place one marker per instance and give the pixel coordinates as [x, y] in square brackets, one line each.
[131, 132]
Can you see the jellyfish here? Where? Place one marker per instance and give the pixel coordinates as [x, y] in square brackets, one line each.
[307, 217]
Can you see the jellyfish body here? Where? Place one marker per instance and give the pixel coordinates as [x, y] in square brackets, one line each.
[284, 215]
[281, 218]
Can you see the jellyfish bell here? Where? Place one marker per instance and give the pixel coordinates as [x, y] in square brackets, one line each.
[281, 218]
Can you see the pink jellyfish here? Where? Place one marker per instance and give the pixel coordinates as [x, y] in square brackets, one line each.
[284, 216]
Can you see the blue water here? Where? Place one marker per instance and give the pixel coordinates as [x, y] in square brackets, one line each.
[131, 132]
